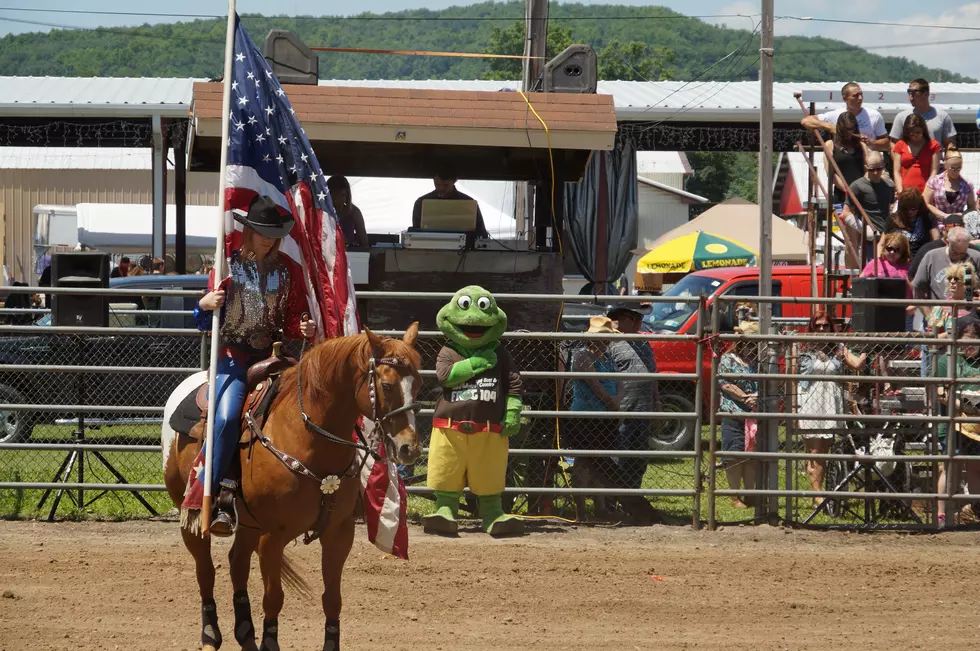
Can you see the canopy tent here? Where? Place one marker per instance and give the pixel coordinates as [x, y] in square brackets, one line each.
[738, 219]
[387, 203]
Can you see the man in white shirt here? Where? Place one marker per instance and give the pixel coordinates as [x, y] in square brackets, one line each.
[941, 128]
[870, 123]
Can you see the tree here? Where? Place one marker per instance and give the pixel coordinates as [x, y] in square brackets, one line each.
[510, 40]
[635, 62]
[720, 175]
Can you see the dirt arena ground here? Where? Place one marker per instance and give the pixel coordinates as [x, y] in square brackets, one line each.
[95, 586]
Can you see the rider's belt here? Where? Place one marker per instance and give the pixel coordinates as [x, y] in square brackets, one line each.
[466, 426]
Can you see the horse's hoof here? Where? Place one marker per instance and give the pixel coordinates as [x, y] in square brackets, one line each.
[209, 647]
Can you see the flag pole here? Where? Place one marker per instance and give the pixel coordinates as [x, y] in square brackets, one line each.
[219, 257]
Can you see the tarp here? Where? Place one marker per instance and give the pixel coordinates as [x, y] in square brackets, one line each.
[739, 220]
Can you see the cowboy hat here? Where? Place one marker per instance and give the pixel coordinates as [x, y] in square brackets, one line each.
[601, 325]
[747, 328]
[639, 309]
[265, 219]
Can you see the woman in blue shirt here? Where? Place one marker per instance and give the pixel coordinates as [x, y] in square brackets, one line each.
[735, 397]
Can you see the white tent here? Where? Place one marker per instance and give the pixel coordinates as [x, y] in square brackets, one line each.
[387, 203]
[128, 228]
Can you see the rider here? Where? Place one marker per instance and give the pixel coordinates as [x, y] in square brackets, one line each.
[262, 297]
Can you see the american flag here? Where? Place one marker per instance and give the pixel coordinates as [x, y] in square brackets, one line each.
[269, 154]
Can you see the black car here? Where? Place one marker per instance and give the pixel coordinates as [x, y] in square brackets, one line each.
[111, 389]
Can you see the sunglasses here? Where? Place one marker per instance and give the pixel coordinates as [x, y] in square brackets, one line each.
[954, 169]
[892, 249]
[913, 91]
[875, 169]
[822, 325]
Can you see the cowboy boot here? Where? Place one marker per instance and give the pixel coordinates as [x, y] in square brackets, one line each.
[224, 522]
[444, 519]
[495, 521]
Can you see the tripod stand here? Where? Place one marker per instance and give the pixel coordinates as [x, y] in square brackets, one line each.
[77, 457]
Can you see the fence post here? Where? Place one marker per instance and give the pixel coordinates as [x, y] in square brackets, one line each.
[205, 352]
[698, 409]
[712, 418]
[952, 436]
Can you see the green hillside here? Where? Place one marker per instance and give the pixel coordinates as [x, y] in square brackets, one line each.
[686, 46]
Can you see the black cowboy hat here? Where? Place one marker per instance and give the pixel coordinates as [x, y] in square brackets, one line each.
[264, 217]
[640, 309]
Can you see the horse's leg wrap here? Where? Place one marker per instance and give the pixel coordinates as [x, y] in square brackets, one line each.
[331, 635]
[270, 635]
[244, 629]
[210, 635]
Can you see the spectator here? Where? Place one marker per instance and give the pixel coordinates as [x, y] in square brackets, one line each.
[948, 192]
[940, 242]
[966, 437]
[157, 266]
[594, 395]
[350, 217]
[929, 281]
[821, 397]
[122, 270]
[894, 261]
[913, 220]
[737, 397]
[870, 123]
[971, 222]
[875, 194]
[915, 157]
[637, 395]
[847, 150]
[939, 123]
[960, 278]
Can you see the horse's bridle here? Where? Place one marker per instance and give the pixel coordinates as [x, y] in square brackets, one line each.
[380, 421]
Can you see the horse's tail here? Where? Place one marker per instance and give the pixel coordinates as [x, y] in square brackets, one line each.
[294, 581]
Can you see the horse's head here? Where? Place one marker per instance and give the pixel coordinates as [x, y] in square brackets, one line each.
[388, 397]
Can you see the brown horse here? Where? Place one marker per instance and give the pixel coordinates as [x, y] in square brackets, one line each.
[279, 500]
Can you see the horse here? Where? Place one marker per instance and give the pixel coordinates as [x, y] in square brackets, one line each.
[283, 496]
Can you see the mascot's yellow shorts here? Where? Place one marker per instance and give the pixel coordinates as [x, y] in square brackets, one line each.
[457, 460]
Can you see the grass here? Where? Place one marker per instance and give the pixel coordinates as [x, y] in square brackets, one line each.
[145, 468]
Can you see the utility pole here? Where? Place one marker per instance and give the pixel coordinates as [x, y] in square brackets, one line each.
[535, 45]
[766, 402]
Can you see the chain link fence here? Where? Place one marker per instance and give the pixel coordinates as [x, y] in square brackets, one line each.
[843, 429]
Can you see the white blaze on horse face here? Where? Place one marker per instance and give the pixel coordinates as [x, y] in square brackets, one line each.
[406, 385]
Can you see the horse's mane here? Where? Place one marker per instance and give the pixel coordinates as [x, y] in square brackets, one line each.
[324, 367]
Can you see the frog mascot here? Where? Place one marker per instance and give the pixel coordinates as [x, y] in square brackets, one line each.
[479, 409]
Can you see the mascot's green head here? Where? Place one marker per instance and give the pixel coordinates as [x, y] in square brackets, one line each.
[472, 319]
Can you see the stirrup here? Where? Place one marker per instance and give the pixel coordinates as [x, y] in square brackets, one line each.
[224, 523]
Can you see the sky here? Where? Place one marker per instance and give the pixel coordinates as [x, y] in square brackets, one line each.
[959, 57]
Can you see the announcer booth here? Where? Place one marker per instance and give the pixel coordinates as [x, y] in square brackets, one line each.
[394, 133]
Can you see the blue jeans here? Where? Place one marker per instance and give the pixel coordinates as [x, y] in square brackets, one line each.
[232, 389]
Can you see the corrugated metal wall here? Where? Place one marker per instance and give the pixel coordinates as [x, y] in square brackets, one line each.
[658, 212]
[21, 190]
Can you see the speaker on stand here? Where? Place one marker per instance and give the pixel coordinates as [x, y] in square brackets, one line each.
[80, 271]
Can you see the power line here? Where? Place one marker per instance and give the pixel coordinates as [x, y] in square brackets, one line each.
[876, 23]
[374, 17]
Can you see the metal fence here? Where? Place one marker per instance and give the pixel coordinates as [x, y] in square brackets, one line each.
[835, 446]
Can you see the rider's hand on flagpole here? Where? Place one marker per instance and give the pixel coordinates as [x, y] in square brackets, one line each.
[213, 300]
[307, 327]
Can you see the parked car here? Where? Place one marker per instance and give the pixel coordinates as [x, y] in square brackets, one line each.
[111, 389]
[681, 318]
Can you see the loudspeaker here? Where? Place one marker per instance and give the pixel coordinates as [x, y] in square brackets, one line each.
[573, 71]
[80, 270]
[878, 318]
[290, 59]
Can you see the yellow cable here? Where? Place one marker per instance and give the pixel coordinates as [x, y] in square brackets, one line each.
[554, 226]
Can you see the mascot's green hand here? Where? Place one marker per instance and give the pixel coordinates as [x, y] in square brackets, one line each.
[488, 355]
[466, 369]
[512, 418]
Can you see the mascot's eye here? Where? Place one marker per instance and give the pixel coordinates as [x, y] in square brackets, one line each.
[464, 302]
[483, 303]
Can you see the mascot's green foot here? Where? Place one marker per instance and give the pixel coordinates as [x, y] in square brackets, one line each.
[495, 521]
[444, 519]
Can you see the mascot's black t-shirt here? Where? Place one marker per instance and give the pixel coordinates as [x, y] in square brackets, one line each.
[483, 397]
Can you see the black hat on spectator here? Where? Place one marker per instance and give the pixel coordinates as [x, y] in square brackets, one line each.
[638, 309]
[264, 217]
[955, 219]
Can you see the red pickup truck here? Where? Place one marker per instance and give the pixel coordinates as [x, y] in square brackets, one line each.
[681, 318]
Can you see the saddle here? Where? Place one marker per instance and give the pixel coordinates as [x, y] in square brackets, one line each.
[263, 384]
